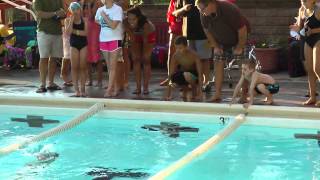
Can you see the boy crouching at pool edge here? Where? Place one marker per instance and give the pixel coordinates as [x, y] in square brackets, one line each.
[185, 72]
[259, 84]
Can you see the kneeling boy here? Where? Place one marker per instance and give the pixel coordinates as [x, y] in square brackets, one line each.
[259, 83]
[185, 71]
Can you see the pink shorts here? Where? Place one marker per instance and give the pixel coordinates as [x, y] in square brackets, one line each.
[110, 46]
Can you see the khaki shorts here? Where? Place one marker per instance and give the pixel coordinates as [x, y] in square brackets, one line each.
[50, 45]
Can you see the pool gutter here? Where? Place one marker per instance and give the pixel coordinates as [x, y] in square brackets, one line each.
[165, 106]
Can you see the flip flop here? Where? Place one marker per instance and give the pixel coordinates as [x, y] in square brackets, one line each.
[41, 89]
[69, 83]
[136, 92]
[145, 92]
[54, 87]
[74, 95]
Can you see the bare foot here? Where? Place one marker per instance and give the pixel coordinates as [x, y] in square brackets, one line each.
[137, 92]
[83, 94]
[126, 85]
[77, 94]
[99, 84]
[268, 101]
[109, 93]
[89, 83]
[310, 101]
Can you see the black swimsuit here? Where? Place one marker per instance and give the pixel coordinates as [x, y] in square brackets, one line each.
[312, 22]
[77, 41]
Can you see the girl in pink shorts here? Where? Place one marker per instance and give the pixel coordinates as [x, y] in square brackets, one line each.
[109, 16]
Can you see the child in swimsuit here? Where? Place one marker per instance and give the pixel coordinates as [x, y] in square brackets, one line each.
[77, 29]
[184, 71]
[259, 84]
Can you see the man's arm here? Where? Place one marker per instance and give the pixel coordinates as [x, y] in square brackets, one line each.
[182, 11]
[251, 89]
[242, 35]
[172, 68]
[200, 77]
[199, 70]
[237, 88]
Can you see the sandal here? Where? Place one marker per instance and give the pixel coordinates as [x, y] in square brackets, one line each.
[69, 83]
[41, 89]
[136, 92]
[54, 87]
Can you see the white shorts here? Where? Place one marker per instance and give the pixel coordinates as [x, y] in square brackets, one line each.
[49, 45]
[202, 47]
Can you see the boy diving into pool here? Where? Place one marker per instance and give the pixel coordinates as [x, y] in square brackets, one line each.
[259, 84]
[185, 71]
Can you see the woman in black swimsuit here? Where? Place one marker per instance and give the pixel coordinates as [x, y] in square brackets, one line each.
[312, 48]
[77, 28]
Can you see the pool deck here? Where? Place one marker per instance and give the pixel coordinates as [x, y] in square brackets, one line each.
[25, 82]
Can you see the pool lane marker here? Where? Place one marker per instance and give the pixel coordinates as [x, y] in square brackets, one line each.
[51, 132]
[206, 146]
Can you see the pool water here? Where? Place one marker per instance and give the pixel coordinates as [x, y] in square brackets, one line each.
[258, 153]
[111, 144]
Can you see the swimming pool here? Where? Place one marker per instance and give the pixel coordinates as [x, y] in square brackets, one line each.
[113, 144]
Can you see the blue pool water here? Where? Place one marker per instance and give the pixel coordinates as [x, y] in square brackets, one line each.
[111, 142]
[258, 153]
[113, 145]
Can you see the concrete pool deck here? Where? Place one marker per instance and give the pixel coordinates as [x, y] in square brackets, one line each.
[25, 82]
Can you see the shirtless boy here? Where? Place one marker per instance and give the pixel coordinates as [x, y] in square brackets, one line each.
[184, 71]
[259, 84]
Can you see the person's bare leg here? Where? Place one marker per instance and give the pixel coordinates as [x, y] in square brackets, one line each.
[75, 70]
[316, 65]
[219, 75]
[114, 89]
[146, 75]
[65, 69]
[99, 73]
[312, 79]
[171, 51]
[205, 65]
[43, 70]
[83, 71]
[147, 50]
[89, 71]
[109, 89]
[262, 88]
[125, 53]
[120, 75]
[52, 70]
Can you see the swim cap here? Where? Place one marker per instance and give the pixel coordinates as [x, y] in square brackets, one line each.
[74, 6]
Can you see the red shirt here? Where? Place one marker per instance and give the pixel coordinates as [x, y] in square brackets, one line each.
[175, 23]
